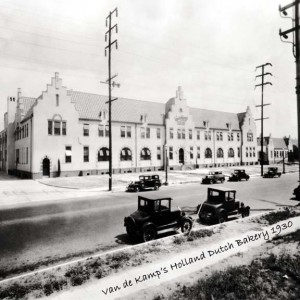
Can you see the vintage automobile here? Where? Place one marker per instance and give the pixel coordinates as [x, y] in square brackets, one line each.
[238, 175]
[296, 192]
[145, 182]
[213, 177]
[272, 172]
[220, 204]
[154, 215]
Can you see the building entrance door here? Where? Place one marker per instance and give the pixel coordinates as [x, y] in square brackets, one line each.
[181, 156]
[46, 166]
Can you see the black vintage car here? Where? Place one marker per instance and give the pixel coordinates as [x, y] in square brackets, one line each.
[272, 172]
[220, 204]
[238, 175]
[154, 215]
[145, 182]
[296, 192]
[213, 177]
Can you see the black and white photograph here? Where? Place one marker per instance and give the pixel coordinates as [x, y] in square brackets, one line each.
[149, 150]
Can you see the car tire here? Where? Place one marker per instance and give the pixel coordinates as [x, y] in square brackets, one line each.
[137, 189]
[186, 226]
[222, 217]
[155, 187]
[148, 233]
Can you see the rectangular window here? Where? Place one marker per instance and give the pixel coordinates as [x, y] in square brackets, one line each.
[27, 155]
[178, 134]
[148, 132]
[191, 153]
[56, 127]
[64, 128]
[190, 134]
[238, 137]
[49, 127]
[86, 130]
[221, 136]
[142, 132]
[68, 154]
[246, 151]
[254, 152]
[239, 152]
[171, 133]
[158, 153]
[122, 131]
[170, 152]
[57, 100]
[183, 133]
[17, 156]
[198, 152]
[101, 130]
[198, 134]
[158, 133]
[129, 131]
[207, 135]
[106, 130]
[85, 154]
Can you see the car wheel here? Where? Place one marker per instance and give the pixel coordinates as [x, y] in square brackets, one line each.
[222, 218]
[148, 233]
[155, 188]
[137, 189]
[186, 226]
[279, 175]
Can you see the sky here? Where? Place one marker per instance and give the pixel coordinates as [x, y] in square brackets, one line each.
[210, 48]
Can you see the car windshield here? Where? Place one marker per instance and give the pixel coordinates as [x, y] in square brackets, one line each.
[236, 172]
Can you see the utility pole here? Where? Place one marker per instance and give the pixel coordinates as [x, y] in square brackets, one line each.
[110, 85]
[295, 43]
[262, 84]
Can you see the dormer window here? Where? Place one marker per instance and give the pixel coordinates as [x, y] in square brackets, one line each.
[144, 118]
[103, 115]
[205, 124]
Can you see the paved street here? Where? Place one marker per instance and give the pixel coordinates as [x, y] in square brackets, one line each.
[43, 230]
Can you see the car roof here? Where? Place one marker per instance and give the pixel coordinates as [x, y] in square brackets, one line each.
[147, 199]
[222, 189]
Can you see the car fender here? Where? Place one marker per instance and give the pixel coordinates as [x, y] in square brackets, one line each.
[148, 224]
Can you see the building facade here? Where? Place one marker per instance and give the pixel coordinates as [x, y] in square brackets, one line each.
[65, 133]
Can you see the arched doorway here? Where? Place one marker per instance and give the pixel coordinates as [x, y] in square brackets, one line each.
[46, 166]
[181, 156]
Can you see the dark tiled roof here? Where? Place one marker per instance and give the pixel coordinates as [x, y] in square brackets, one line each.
[216, 119]
[279, 143]
[123, 110]
[129, 110]
[27, 103]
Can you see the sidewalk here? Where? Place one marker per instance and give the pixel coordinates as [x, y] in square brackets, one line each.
[14, 191]
[120, 181]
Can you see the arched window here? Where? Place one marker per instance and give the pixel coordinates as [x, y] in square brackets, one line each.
[103, 154]
[220, 153]
[145, 154]
[230, 152]
[208, 153]
[126, 154]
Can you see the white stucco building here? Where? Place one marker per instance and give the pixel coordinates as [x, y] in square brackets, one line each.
[65, 133]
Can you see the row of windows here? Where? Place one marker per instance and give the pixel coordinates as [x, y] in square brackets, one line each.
[250, 152]
[181, 134]
[145, 154]
[57, 127]
[21, 132]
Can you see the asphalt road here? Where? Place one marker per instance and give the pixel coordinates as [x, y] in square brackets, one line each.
[52, 230]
